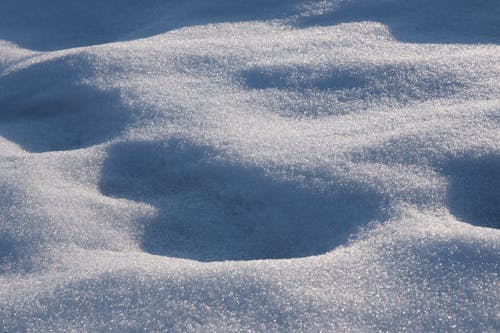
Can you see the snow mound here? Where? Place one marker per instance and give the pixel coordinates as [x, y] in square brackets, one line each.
[288, 166]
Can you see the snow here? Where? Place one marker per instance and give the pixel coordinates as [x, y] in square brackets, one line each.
[289, 166]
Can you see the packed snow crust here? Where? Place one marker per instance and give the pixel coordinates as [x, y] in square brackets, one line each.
[260, 166]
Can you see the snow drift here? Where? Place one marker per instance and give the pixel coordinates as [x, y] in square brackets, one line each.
[249, 166]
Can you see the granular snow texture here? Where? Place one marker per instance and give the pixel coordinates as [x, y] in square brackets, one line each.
[249, 166]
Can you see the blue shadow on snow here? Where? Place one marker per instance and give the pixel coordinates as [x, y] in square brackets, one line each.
[474, 190]
[210, 210]
[48, 107]
[61, 24]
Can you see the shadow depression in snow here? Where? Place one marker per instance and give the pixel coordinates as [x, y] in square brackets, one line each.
[474, 190]
[210, 210]
[402, 82]
[426, 21]
[46, 107]
[61, 24]
[350, 87]
[473, 183]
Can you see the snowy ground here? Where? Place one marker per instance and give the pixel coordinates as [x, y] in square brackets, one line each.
[290, 166]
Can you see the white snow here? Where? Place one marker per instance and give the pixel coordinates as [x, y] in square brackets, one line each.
[226, 166]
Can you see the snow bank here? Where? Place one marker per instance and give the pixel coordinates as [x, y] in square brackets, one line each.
[234, 166]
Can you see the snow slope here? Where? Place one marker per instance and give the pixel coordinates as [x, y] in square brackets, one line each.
[226, 166]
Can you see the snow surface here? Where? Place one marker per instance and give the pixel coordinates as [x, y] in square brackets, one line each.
[289, 166]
